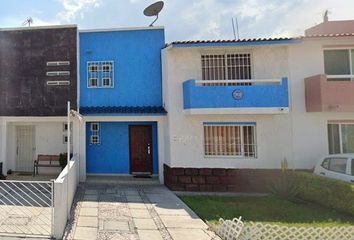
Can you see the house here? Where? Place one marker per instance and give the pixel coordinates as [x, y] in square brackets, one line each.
[121, 102]
[237, 108]
[322, 84]
[38, 75]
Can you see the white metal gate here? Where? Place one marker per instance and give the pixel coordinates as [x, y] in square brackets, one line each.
[26, 208]
[25, 147]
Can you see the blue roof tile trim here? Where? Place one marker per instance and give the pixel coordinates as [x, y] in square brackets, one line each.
[123, 110]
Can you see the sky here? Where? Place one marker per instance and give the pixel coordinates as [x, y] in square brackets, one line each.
[183, 19]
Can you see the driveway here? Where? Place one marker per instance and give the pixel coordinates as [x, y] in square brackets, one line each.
[132, 211]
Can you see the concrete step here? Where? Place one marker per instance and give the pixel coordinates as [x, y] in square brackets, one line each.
[120, 180]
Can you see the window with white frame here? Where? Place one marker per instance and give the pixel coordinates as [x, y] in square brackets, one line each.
[230, 66]
[224, 139]
[100, 74]
[106, 82]
[341, 138]
[339, 64]
[95, 133]
[95, 127]
[95, 139]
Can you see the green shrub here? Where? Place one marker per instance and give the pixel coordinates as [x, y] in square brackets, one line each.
[63, 159]
[327, 192]
[285, 187]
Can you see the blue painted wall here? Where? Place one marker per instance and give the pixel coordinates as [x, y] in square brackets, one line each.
[262, 95]
[137, 67]
[111, 156]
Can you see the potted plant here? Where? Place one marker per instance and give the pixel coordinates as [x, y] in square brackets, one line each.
[63, 160]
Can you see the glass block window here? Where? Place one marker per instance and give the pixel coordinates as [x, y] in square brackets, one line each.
[95, 133]
[100, 74]
[230, 140]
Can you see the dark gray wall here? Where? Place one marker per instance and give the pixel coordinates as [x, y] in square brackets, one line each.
[23, 65]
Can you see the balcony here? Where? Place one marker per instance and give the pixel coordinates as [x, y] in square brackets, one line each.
[329, 96]
[261, 96]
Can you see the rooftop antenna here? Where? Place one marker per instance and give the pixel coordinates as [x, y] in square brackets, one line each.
[154, 10]
[325, 15]
[28, 22]
[237, 37]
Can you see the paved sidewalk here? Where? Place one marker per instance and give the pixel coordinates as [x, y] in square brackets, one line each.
[145, 212]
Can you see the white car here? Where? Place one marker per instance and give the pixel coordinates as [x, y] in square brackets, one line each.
[338, 166]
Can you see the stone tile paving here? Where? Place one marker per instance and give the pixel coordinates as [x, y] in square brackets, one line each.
[132, 212]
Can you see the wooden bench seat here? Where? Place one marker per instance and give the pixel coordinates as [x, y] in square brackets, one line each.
[45, 161]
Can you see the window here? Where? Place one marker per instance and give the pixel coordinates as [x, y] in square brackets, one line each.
[106, 82]
[95, 139]
[325, 163]
[58, 73]
[95, 133]
[58, 63]
[107, 67]
[340, 138]
[95, 127]
[339, 64]
[336, 165]
[352, 163]
[93, 67]
[93, 82]
[65, 139]
[236, 66]
[230, 140]
[100, 74]
[58, 83]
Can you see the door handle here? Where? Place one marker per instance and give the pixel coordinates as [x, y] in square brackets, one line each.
[322, 173]
[149, 150]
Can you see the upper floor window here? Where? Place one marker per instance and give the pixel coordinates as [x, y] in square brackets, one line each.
[230, 66]
[339, 64]
[100, 74]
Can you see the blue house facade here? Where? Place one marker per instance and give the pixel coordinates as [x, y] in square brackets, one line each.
[121, 100]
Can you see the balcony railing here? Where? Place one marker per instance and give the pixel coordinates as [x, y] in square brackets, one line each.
[246, 96]
[334, 95]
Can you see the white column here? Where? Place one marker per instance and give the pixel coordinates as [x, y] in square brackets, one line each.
[82, 151]
[161, 146]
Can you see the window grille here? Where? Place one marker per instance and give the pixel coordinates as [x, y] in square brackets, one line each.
[236, 66]
[100, 74]
[230, 140]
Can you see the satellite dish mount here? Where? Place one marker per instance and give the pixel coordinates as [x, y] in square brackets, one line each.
[154, 10]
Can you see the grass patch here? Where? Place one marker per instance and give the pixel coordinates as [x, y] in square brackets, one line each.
[265, 209]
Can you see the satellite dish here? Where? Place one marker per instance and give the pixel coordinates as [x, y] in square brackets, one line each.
[28, 22]
[154, 10]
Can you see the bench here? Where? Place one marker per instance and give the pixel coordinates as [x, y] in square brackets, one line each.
[45, 161]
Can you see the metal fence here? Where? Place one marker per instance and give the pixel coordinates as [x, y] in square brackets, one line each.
[237, 230]
[26, 208]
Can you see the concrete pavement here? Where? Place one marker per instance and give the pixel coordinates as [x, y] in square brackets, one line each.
[132, 211]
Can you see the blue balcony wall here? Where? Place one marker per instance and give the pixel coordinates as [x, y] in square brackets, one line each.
[260, 95]
[137, 67]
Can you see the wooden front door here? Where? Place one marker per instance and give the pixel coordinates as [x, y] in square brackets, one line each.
[140, 144]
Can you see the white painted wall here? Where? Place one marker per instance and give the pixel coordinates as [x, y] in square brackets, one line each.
[185, 133]
[48, 140]
[64, 190]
